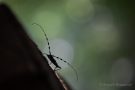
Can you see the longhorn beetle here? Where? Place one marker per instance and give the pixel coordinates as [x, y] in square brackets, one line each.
[51, 57]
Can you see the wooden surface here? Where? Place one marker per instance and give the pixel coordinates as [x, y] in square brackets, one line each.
[22, 65]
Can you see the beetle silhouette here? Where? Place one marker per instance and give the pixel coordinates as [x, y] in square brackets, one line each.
[51, 57]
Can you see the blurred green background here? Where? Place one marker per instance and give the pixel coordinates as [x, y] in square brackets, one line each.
[95, 36]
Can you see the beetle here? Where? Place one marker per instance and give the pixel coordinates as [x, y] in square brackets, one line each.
[51, 57]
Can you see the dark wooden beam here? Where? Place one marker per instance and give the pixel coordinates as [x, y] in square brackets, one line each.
[22, 65]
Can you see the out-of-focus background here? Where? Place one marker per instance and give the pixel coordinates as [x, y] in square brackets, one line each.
[95, 36]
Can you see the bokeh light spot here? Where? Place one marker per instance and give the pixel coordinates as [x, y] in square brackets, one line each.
[79, 10]
[52, 22]
[62, 49]
[122, 71]
[104, 32]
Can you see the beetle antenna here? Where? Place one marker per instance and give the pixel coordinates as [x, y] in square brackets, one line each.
[45, 36]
